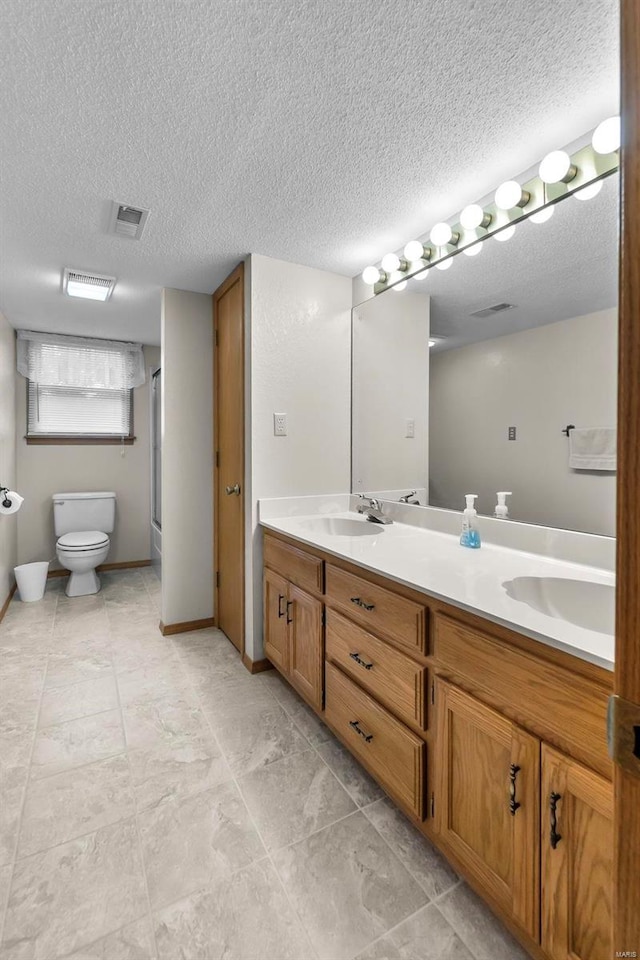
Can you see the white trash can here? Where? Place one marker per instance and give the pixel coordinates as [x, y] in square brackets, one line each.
[32, 580]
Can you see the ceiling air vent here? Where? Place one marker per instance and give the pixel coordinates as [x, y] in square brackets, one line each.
[489, 311]
[127, 221]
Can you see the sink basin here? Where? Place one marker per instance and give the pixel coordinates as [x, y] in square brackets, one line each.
[342, 527]
[582, 602]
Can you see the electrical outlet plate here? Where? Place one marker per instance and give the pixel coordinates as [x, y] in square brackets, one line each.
[279, 424]
[410, 430]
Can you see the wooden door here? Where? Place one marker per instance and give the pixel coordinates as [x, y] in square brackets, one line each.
[276, 632]
[577, 860]
[626, 938]
[306, 648]
[228, 318]
[487, 800]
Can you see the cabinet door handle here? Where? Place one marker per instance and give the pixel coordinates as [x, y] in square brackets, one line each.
[363, 663]
[361, 603]
[554, 836]
[280, 610]
[355, 724]
[514, 770]
[289, 604]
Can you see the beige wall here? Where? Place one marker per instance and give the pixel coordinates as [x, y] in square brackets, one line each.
[44, 470]
[299, 330]
[187, 456]
[539, 381]
[8, 525]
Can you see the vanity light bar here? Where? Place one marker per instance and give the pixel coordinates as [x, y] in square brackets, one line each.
[559, 175]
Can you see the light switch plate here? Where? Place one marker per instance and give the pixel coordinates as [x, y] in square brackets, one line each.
[410, 430]
[279, 424]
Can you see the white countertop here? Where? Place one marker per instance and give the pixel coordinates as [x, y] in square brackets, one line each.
[438, 566]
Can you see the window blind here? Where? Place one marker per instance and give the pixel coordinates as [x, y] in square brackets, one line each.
[78, 412]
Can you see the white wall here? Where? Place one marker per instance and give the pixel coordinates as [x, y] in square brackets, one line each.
[187, 457]
[8, 525]
[44, 470]
[391, 385]
[299, 322]
[539, 381]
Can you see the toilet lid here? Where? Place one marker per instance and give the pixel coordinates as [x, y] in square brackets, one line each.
[83, 539]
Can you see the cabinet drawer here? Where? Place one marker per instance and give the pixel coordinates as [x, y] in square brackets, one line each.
[295, 565]
[389, 750]
[377, 608]
[391, 676]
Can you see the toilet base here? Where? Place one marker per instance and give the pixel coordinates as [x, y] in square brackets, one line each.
[82, 584]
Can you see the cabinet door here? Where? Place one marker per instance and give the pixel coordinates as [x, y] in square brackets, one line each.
[306, 649]
[276, 645]
[577, 860]
[487, 801]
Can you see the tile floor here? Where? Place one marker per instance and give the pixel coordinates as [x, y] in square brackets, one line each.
[160, 802]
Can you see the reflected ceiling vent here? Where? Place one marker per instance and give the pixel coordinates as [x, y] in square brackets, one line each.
[489, 311]
[127, 221]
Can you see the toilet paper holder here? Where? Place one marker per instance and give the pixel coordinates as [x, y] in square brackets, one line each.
[5, 500]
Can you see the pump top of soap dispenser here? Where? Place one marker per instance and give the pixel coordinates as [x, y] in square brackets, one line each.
[502, 510]
[470, 536]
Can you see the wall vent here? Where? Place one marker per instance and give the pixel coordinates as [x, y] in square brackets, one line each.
[489, 311]
[127, 221]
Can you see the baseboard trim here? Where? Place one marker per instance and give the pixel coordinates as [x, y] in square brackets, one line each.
[104, 567]
[167, 629]
[256, 666]
[5, 605]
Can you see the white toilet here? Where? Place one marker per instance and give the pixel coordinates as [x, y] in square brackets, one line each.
[82, 522]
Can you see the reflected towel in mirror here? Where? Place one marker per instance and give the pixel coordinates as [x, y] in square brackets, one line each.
[592, 448]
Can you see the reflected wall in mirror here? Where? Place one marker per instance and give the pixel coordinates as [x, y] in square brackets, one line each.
[526, 338]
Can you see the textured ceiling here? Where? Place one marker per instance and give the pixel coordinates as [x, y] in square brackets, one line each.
[323, 133]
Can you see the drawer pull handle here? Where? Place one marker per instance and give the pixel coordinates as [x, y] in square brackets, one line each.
[289, 604]
[280, 610]
[513, 804]
[360, 603]
[554, 836]
[363, 663]
[368, 737]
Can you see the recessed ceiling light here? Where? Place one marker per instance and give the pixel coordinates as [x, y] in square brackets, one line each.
[89, 286]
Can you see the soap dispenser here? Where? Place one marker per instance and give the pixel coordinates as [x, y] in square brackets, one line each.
[502, 510]
[470, 536]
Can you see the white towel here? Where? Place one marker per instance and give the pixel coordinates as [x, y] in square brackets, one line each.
[592, 448]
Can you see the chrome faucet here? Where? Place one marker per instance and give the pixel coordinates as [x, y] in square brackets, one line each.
[373, 509]
[410, 498]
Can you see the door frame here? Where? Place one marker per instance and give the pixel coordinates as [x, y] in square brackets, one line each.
[236, 275]
[626, 915]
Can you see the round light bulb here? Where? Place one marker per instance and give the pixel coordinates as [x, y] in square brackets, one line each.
[472, 251]
[444, 264]
[390, 262]
[414, 250]
[399, 286]
[541, 216]
[371, 275]
[557, 167]
[606, 136]
[509, 195]
[473, 217]
[587, 193]
[505, 234]
[441, 234]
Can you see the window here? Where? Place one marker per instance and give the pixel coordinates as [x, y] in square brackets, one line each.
[79, 390]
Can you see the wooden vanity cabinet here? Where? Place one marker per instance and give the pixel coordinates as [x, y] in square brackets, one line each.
[487, 800]
[577, 860]
[293, 635]
[471, 728]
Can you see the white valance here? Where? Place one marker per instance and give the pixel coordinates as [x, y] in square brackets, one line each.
[59, 361]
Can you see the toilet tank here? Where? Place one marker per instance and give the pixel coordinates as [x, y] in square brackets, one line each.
[74, 512]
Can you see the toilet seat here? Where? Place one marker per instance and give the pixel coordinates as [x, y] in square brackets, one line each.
[82, 541]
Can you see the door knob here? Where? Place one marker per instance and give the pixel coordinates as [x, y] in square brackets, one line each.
[234, 489]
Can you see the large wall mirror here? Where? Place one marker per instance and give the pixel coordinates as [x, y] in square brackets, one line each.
[523, 344]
